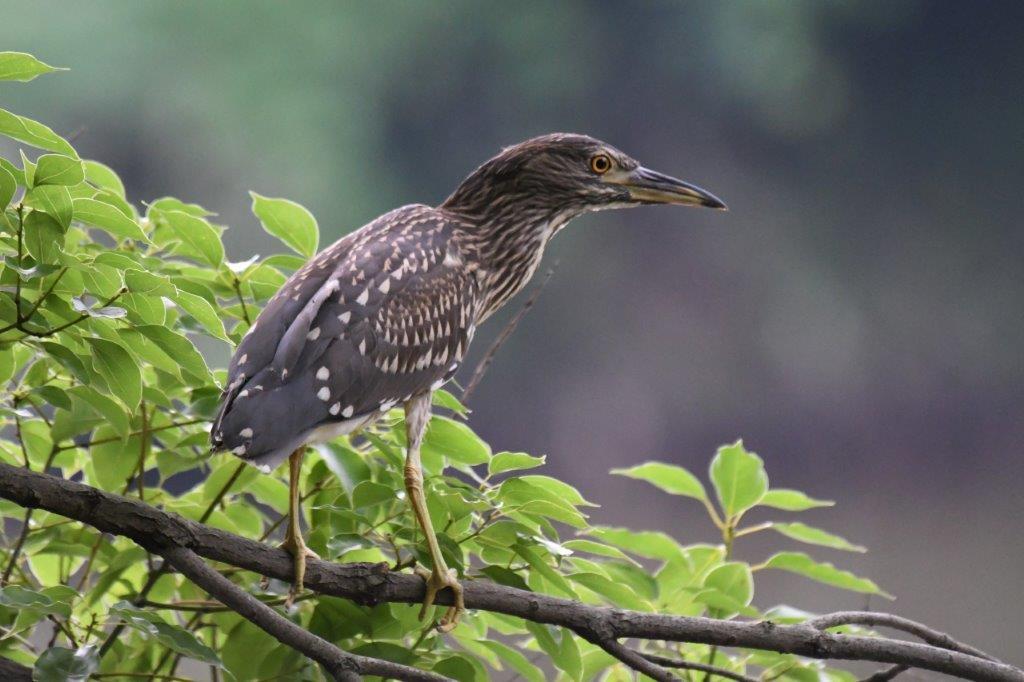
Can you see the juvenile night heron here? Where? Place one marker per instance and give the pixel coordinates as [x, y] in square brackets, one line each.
[384, 316]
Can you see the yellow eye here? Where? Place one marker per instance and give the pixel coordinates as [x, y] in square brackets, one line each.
[600, 163]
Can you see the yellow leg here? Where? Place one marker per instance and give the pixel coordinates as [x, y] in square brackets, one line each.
[293, 542]
[417, 415]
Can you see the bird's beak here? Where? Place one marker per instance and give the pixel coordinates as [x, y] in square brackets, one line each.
[650, 187]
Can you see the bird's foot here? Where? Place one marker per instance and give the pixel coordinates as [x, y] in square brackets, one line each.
[437, 581]
[295, 546]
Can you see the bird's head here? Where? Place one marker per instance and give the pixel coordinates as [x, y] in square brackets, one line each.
[570, 174]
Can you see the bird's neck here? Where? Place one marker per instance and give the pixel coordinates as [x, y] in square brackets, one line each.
[510, 237]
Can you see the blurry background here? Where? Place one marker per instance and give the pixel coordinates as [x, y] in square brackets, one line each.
[856, 317]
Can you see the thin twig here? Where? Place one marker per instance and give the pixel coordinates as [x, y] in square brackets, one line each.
[667, 662]
[635, 660]
[887, 674]
[923, 632]
[488, 358]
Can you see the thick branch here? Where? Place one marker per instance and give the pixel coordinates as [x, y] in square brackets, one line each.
[374, 583]
[341, 665]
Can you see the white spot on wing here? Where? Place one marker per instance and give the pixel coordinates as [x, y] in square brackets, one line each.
[324, 393]
[313, 334]
[363, 297]
[385, 286]
[345, 317]
[245, 433]
[347, 412]
[335, 408]
[323, 374]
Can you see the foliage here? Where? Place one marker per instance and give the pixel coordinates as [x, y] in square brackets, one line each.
[103, 308]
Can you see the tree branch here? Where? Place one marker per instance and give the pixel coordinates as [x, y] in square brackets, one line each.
[375, 583]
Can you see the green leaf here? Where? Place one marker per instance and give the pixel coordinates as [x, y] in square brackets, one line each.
[289, 222]
[815, 536]
[22, 598]
[54, 200]
[119, 369]
[791, 500]
[199, 235]
[650, 544]
[8, 186]
[616, 593]
[672, 479]
[600, 549]
[739, 478]
[21, 66]
[517, 661]
[58, 664]
[823, 572]
[104, 177]
[456, 441]
[369, 493]
[104, 216]
[58, 169]
[204, 313]
[44, 237]
[733, 579]
[171, 636]
[178, 347]
[103, 406]
[114, 462]
[558, 490]
[537, 563]
[34, 133]
[512, 461]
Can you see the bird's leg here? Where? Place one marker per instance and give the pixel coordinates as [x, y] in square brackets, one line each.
[417, 416]
[293, 542]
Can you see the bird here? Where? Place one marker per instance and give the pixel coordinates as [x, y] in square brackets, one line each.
[384, 317]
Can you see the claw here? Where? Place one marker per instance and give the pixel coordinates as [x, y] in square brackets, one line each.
[435, 582]
[296, 546]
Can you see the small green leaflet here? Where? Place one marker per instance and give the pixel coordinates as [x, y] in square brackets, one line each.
[815, 536]
[8, 186]
[672, 479]
[823, 572]
[55, 200]
[289, 222]
[108, 218]
[791, 500]
[119, 369]
[58, 664]
[34, 133]
[58, 169]
[21, 66]
[201, 237]
[739, 478]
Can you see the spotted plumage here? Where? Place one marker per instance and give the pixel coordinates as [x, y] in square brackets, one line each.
[380, 316]
[385, 315]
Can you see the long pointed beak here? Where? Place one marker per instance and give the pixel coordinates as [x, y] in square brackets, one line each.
[651, 187]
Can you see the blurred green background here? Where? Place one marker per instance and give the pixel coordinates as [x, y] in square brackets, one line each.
[856, 316]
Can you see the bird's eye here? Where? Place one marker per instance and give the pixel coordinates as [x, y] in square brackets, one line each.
[600, 163]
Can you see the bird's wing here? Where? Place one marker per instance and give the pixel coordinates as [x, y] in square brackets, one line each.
[392, 319]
